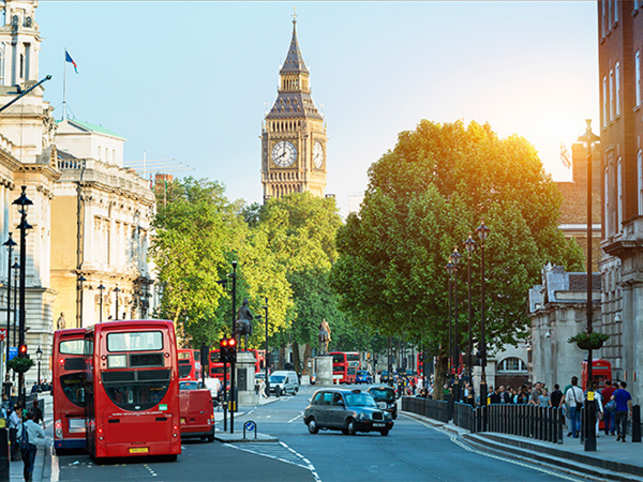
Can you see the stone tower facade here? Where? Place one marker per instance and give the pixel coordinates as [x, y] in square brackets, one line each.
[293, 138]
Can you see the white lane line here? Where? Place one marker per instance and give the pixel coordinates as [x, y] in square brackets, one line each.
[454, 439]
[310, 466]
[55, 469]
[295, 418]
[267, 455]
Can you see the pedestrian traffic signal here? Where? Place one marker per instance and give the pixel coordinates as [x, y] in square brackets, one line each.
[228, 350]
[22, 350]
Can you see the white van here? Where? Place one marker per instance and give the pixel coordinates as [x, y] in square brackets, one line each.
[284, 381]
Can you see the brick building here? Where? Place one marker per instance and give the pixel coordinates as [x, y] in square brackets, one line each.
[573, 210]
[620, 28]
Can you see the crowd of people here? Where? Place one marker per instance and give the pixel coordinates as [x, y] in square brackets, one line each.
[26, 431]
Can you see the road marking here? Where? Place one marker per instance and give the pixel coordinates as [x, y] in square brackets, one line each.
[55, 469]
[295, 418]
[454, 439]
[149, 469]
[309, 465]
[254, 452]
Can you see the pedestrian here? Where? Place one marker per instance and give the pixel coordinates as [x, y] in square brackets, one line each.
[543, 400]
[574, 401]
[15, 419]
[494, 398]
[623, 401]
[556, 397]
[38, 416]
[609, 406]
[30, 435]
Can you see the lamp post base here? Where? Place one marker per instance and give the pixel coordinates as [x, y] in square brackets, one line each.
[590, 425]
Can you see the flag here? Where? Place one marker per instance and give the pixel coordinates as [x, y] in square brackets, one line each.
[71, 61]
[564, 155]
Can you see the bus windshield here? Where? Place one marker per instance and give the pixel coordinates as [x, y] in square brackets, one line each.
[135, 341]
[72, 347]
[339, 358]
[136, 391]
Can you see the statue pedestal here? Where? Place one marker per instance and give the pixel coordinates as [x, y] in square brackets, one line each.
[245, 372]
[324, 370]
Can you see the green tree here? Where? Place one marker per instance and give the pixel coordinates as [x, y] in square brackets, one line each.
[423, 199]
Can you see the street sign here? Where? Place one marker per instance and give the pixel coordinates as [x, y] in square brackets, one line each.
[13, 352]
[250, 426]
[3, 334]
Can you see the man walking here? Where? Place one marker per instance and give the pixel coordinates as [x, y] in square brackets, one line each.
[574, 401]
[623, 401]
[31, 434]
[608, 404]
[15, 419]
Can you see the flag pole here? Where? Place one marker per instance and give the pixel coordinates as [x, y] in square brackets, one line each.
[64, 86]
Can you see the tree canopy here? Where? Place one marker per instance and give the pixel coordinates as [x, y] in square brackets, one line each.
[423, 199]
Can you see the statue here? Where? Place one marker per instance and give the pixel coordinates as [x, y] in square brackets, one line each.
[324, 337]
[243, 325]
[60, 323]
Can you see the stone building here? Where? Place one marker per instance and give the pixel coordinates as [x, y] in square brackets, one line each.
[27, 158]
[109, 210]
[293, 138]
[620, 44]
[557, 310]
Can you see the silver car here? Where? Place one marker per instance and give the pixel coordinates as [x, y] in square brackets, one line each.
[350, 411]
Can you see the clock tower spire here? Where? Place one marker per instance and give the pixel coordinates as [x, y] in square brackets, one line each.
[293, 137]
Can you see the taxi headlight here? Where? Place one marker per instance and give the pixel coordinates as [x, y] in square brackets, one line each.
[362, 416]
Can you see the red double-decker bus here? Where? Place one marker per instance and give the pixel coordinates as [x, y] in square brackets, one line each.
[132, 389]
[344, 366]
[189, 364]
[68, 389]
[215, 366]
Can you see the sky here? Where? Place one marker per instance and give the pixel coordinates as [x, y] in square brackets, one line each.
[190, 82]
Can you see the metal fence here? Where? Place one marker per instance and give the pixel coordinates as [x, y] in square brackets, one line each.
[540, 423]
[427, 407]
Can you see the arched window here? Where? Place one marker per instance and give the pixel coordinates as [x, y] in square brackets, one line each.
[619, 195]
[512, 364]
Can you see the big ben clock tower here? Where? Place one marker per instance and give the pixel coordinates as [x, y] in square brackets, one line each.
[293, 139]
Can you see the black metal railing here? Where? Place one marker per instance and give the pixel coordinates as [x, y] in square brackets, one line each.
[464, 415]
[427, 407]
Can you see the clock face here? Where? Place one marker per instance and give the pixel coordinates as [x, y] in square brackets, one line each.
[284, 154]
[318, 155]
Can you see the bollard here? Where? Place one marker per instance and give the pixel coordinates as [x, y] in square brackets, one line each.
[636, 423]
[4, 453]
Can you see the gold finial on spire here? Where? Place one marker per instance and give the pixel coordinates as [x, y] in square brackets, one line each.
[294, 15]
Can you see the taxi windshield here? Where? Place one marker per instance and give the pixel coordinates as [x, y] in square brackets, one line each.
[360, 400]
[382, 394]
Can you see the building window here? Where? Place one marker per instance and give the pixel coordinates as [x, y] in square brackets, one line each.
[606, 201]
[27, 60]
[512, 365]
[637, 76]
[615, 11]
[604, 101]
[617, 88]
[603, 17]
[619, 194]
[22, 66]
[609, 15]
[636, 4]
[2, 82]
[639, 184]
[611, 95]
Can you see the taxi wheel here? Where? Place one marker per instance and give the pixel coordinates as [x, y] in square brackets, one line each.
[350, 427]
[394, 415]
[384, 432]
[312, 426]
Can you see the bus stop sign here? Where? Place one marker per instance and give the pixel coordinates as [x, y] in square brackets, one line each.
[13, 352]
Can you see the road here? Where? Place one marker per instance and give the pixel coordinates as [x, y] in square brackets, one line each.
[412, 451]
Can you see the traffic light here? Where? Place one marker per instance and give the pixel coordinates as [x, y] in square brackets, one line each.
[228, 350]
[22, 350]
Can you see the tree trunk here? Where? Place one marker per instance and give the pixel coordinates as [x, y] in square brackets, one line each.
[440, 377]
[296, 361]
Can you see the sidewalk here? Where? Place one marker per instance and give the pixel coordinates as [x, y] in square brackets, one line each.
[612, 460]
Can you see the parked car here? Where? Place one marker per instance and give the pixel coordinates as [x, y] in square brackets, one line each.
[350, 411]
[385, 398]
[282, 382]
[362, 376]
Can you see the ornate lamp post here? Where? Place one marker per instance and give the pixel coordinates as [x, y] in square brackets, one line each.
[39, 358]
[9, 243]
[265, 308]
[483, 233]
[455, 258]
[23, 202]
[589, 138]
[101, 288]
[79, 316]
[116, 290]
[450, 267]
[15, 267]
[470, 246]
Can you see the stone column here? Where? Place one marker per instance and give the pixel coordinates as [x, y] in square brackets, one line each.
[324, 370]
[245, 371]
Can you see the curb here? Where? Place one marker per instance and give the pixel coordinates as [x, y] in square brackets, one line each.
[238, 438]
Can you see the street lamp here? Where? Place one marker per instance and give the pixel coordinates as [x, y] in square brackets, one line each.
[79, 307]
[23, 202]
[455, 258]
[590, 435]
[265, 308]
[9, 243]
[470, 246]
[483, 233]
[39, 358]
[101, 288]
[116, 290]
[15, 267]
